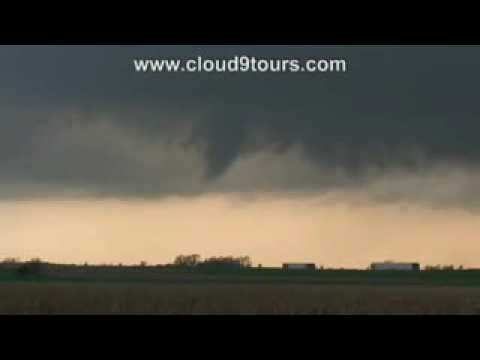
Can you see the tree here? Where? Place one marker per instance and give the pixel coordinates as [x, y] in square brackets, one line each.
[187, 260]
[33, 267]
[245, 261]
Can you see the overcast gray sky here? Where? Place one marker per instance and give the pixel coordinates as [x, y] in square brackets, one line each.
[400, 124]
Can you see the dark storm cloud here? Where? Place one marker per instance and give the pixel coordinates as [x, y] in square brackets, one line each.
[80, 117]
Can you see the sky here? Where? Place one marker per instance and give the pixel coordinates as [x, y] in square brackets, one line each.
[102, 164]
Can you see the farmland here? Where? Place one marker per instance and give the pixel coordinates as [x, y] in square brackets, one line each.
[120, 290]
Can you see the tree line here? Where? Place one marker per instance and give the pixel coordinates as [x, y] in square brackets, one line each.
[36, 266]
[184, 261]
[194, 260]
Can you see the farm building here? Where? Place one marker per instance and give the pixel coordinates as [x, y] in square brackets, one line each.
[388, 265]
[298, 266]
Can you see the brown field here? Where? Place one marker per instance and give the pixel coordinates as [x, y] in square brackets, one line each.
[74, 298]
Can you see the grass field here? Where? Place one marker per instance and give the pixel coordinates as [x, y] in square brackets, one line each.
[107, 290]
[68, 298]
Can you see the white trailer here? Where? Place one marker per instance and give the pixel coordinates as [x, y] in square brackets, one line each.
[402, 266]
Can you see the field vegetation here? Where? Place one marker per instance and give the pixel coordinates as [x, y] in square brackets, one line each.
[35, 287]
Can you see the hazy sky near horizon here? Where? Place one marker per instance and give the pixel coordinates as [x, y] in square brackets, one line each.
[99, 163]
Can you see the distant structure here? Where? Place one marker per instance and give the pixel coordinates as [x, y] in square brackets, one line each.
[223, 263]
[298, 266]
[390, 265]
